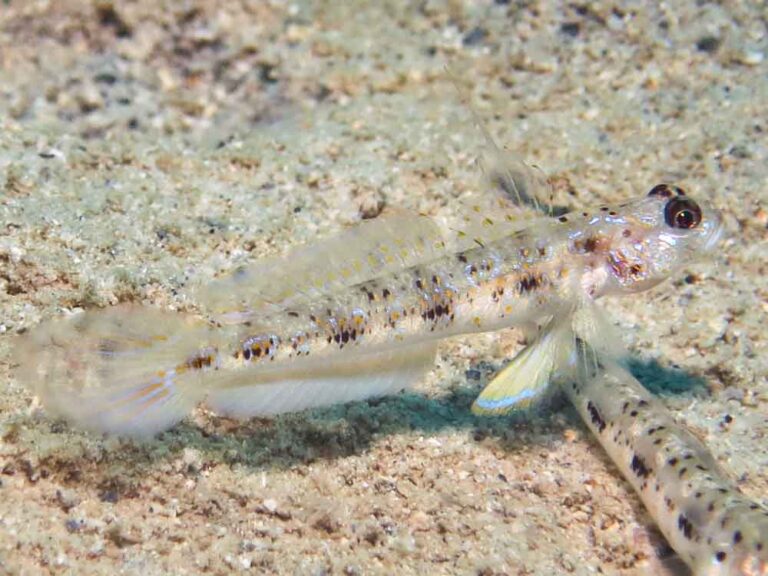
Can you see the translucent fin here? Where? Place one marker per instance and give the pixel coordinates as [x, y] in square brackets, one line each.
[125, 370]
[373, 248]
[364, 377]
[479, 220]
[592, 325]
[526, 379]
[523, 184]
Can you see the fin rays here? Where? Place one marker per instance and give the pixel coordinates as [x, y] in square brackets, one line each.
[119, 370]
[366, 376]
[528, 375]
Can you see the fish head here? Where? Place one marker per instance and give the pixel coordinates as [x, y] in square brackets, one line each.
[645, 241]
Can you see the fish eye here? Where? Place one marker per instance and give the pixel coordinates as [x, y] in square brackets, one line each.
[682, 212]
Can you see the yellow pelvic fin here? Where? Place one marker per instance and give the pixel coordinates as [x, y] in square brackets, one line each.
[525, 379]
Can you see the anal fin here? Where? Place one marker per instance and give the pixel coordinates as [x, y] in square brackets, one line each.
[366, 376]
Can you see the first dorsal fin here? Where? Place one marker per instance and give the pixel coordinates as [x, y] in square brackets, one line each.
[525, 185]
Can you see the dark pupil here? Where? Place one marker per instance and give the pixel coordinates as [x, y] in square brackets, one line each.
[684, 219]
[682, 213]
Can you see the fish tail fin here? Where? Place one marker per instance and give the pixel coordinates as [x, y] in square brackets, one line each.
[126, 370]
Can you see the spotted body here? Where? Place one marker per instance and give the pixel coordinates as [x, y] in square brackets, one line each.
[353, 306]
[504, 283]
[360, 316]
[711, 525]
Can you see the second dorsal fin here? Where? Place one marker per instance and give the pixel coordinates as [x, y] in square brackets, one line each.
[372, 249]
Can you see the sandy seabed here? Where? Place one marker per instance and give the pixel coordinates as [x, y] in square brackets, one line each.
[146, 146]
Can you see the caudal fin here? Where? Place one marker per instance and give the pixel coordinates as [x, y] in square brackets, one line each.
[126, 370]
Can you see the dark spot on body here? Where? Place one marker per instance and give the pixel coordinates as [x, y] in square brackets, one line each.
[596, 417]
[587, 245]
[529, 283]
[721, 556]
[639, 467]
